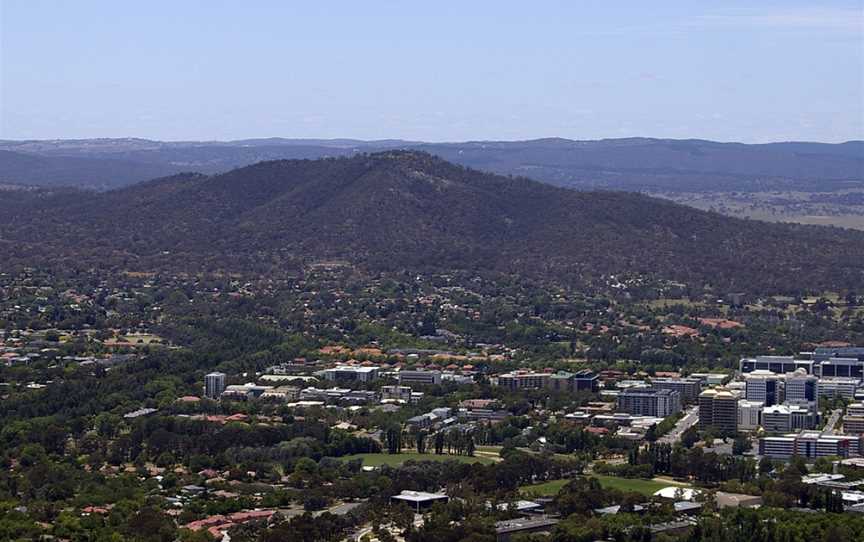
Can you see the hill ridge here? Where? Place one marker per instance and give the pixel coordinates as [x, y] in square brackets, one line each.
[410, 210]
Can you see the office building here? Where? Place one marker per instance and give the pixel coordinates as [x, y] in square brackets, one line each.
[853, 424]
[824, 353]
[763, 386]
[524, 380]
[710, 379]
[214, 385]
[801, 387]
[718, 409]
[839, 387]
[649, 402]
[421, 378]
[785, 418]
[841, 367]
[810, 444]
[396, 393]
[749, 414]
[847, 362]
[855, 409]
[350, 373]
[689, 388]
[559, 382]
[246, 391]
[562, 381]
[774, 364]
[282, 393]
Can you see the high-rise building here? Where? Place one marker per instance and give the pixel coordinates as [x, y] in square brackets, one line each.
[763, 386]
[749, 414]
[718, 409]
[214, 385]
[649, 402]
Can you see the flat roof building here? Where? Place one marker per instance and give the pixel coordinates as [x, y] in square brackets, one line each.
[845, 387]
[650, 402]
[718, 408]
[763, 386]
[214, 385]
[419, 500]
[350, 373]
[785, 418]
[810, 444]
[423, 378]
[689, 388]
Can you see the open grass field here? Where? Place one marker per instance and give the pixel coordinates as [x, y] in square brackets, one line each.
[638, 485]
[376, 460]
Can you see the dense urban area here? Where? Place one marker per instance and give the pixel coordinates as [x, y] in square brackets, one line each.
[339, 404]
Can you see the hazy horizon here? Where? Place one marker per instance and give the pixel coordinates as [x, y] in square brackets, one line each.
[436, 142]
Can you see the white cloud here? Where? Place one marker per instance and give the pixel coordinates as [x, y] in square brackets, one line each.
[810, 18]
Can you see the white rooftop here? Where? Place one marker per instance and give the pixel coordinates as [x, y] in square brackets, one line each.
[419, 496]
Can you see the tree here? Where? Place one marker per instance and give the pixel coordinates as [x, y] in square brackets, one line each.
[689, 437]
[651, 433]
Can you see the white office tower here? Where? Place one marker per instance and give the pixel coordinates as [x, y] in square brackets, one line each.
[764, 387]
[801, 387]
[214, 385]
[749, 415]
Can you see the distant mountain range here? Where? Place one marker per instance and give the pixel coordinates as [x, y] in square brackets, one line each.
[409, 210]
[635, 164]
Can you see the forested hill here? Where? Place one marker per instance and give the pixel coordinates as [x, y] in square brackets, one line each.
[405, 210]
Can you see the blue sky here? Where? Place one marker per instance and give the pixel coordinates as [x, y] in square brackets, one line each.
[437, 71]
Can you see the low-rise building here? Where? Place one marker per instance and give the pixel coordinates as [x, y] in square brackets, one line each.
[810, 444]
[419, 500]
[242, 392]
[350, 373]
[853, 424]
[423, 378]
[844, 387]
[282, 393]
[785, 418]
[396, 393]
[506, 529]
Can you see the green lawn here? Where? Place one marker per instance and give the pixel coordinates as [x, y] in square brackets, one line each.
[545, 489]
[638, 485]
[376, 460]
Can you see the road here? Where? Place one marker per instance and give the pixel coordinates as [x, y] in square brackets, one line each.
[830, 425]
[691, 416]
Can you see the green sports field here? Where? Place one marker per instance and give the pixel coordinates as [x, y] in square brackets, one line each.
[638, 485]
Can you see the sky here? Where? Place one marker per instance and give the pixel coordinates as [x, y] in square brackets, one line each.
[433, 71]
